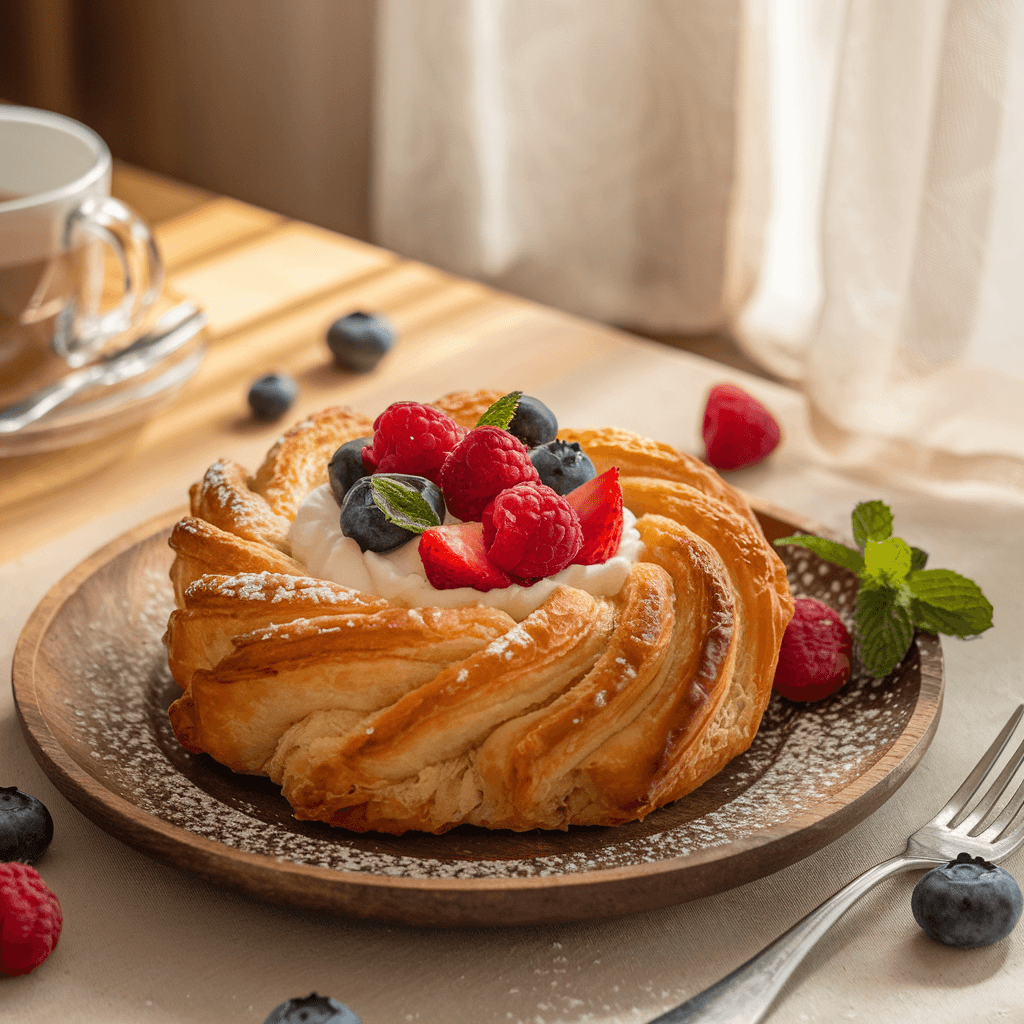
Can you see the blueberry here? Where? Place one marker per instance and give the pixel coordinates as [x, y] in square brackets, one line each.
[271, 396]
[312, 1009]
[360, 340]
[346, 466]
[967, 903]
[533, 423]
[562, 465]
[367, 525]
[26, 827]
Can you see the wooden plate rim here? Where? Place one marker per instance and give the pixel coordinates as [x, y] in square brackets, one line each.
[218, 862]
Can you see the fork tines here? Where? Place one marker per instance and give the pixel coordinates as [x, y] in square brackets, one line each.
[957, 816]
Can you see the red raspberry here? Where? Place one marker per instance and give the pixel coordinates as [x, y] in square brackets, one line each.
[30, 919]
[738, 430]
[530, 531]
[412, 438]
[485, 462]
[816, 653]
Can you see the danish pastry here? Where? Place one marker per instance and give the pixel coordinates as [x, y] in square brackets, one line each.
[380, 712]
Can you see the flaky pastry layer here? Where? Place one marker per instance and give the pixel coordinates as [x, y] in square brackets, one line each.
[372, 716]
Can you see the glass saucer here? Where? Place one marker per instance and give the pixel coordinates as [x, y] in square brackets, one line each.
[105, 409]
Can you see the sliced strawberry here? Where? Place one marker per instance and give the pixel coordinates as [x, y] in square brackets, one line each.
[455, 556]
[598, 503]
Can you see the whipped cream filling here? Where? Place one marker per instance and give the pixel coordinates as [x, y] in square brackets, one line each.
[399, 576]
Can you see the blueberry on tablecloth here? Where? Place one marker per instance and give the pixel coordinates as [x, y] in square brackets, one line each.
[312, 1009]
[967, 903]
[26, 827]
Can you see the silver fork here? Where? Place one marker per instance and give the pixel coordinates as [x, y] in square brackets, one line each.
[746, 995]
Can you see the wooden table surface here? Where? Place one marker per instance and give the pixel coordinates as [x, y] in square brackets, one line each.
[271, 286]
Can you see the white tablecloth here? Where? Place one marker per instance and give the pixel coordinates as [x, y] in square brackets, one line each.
[148, 944]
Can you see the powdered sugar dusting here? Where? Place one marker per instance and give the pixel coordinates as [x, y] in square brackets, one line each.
[802, 757]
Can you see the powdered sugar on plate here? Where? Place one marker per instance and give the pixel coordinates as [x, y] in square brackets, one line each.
[801, 760]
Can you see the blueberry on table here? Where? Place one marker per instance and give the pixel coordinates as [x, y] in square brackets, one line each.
[360, 340]
[364, 521]
[533, 422]
[271, 396]
[967, 903]
[346, 466]
[562, 465]
[26, 827]
[312, 1009]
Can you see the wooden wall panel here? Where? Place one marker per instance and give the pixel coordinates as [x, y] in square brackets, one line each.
[268, 101]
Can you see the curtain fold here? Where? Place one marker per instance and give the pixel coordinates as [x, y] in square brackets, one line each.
[840, 184]
[900, 368]
[598, 156]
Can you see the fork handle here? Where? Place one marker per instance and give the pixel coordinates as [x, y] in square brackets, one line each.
[745, 995]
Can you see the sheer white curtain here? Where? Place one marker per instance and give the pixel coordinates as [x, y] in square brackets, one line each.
[839, 182]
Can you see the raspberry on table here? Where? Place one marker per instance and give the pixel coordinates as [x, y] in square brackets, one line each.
[483, 464]
[30, 919]
[816, 653]
[738, 430]
[530, 531]
[412, 438]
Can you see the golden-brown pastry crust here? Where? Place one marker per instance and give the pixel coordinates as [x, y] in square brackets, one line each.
[224, 498]
[202, 549]
[373, 716]
[466, 407]
[298, 461]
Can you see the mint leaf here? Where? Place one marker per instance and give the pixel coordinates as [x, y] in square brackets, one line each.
[830, 550]
[946, 602]
[401, 504]
[501, 412]
[884, 630]
[918, 558]
[887, 562]
[872, 520]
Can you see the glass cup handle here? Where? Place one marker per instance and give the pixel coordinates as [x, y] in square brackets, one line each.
[110, 221]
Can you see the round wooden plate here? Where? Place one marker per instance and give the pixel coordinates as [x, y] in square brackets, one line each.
[92, 690]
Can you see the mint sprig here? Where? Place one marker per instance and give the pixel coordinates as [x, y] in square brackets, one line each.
[830, 550]
[872, 520]
[401, 504]
[501, 412]
[897, 594]
[946, 602]
[883, 630]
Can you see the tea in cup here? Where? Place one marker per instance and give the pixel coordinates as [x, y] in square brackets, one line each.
[57, 219]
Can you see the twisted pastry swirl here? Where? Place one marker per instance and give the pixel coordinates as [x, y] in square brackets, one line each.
[371, 716]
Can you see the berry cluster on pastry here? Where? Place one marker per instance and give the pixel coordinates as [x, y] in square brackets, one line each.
[460, 613]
